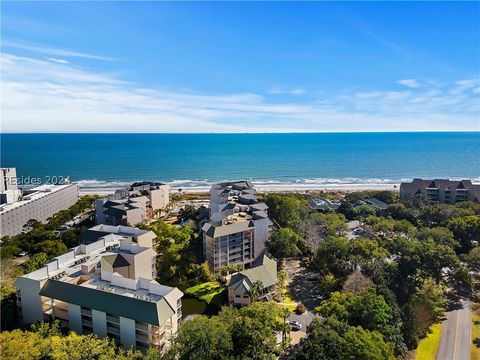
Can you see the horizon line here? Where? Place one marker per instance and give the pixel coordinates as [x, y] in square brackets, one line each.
[240, 133]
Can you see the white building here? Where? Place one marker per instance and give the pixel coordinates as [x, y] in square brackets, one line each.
[38, 203]
[106, 287]
[239, 226]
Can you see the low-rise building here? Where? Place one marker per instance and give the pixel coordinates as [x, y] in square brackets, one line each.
[263, 272]
[238, 228]
[106, 287]
[132, 206]
[322, 204]
[38, 203]
[372, 203]
[441, 190]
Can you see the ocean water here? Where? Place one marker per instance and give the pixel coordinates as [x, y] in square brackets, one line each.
[108, 161]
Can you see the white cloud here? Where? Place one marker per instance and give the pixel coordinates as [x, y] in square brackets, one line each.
[59, 61]
[45, 96]
[51, 51]
[411, 83]
[280, 91]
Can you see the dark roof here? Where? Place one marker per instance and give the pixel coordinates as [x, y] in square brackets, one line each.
[116, 260]
[144, 185]
[90, 236]
[155, 313]
[377, 203]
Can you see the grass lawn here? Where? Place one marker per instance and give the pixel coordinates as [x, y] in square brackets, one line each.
[291, 307]
[427, 348]
[193, 306]
[475, 350]
[206, 291]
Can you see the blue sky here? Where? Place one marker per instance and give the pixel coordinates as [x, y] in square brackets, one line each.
[240, 67]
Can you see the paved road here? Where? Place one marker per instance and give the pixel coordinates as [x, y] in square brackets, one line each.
[456, 337]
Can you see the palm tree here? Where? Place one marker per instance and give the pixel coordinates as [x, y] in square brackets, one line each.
[256, 290]
[284, 313]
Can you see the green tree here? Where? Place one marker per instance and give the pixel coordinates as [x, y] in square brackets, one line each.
[425, 307]
[466, 230]
[35, 262]
[202, 338]
[361, 344]
[333, 256]
[284, 243]
[256, 290]
[287, 210]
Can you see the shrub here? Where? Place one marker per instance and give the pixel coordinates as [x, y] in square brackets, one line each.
[300, 309]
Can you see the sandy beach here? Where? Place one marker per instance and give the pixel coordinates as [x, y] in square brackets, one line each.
[269, 188]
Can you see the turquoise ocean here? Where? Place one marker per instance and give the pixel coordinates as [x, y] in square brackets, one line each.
[194, 161]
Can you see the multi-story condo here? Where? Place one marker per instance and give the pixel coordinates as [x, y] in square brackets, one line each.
[263, 271]
[238, 228]
[132, 206]
[38, 203]
[106, 287]
[9, 191]
[441, 190]
[8, 179]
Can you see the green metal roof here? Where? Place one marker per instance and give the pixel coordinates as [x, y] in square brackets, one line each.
[227, 229]
[264, 270]
[155, 313]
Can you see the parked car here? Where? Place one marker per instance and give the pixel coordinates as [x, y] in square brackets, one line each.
[23, 253]
[295, 325]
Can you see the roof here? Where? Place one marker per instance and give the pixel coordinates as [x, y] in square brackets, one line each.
[90, 236]
[377, 203]
[319, 203]
[115, 261]
[150, 312]
[263, 269]
[227, 229]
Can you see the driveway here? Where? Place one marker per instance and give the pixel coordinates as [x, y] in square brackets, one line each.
[456, 337]
[302, 288]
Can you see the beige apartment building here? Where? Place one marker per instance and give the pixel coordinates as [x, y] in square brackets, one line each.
[132, 206]
[441, 190]
[238, 228]
[105, 287]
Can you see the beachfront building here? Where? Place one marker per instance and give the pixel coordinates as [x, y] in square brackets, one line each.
[238, 228]
[132, 206]
[263, 272]
[106, 287]
[441, 190]
[38, 203]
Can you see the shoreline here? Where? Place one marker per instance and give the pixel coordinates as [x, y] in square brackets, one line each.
[280, 188]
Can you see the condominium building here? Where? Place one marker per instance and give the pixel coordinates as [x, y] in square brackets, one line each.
[263, 272]
[105, 287]
[441, 190]
[132, 206]
[8, 179]
[238, 228]
[38, 203]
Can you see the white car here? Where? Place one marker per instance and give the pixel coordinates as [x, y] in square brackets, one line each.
[295, 325]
